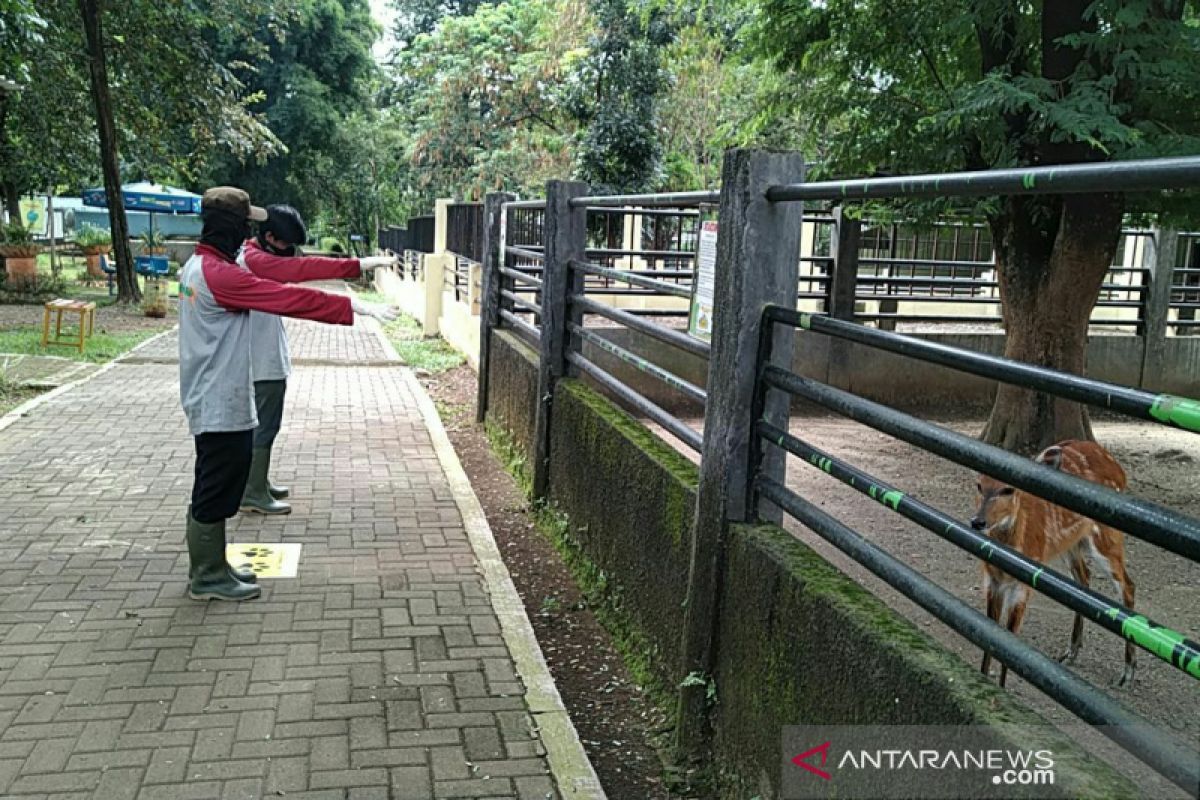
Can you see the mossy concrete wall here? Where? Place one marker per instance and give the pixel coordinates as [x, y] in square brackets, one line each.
[630, 499]
[512, 388]
[800, 643]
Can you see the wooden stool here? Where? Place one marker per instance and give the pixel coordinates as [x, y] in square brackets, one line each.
[87, 322]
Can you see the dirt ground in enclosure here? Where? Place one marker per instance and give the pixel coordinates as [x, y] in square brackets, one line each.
[619, 726]
[1163, 465]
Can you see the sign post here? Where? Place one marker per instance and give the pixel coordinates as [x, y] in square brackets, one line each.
[701, 317]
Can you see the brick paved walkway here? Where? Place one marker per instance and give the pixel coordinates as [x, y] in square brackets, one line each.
[384, 670]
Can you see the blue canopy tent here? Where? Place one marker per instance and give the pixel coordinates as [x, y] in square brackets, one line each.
[154, 198]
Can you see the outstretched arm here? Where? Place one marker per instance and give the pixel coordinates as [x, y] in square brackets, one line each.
[237, 289]
[297, 269]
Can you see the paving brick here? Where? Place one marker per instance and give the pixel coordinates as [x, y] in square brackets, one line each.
[49, 755]
[55, 782]
[367, 733]
[348, 777]
[330, 753]
[255, 725]
[287, 775]
[376, 671]
[449, 763]
[246, 789]
[119, 783]
[411, 783]
[535, 789]
[389, 757]
[483, 743]
[473, 788]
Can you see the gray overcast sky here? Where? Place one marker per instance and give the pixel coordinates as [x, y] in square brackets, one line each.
[382, 12]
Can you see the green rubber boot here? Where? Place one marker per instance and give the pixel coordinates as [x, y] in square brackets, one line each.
[211, 578]
[257, 498]
[243, 575]
[278, 492]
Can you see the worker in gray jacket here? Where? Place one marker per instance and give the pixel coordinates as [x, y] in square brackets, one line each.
[216, 295]
[272, 255]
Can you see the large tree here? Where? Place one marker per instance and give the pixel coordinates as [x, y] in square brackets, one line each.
[417, 17]
[21, 35]
[936, 85]
[480, 98]
[307, 67]
[620, 149]
[159, 100]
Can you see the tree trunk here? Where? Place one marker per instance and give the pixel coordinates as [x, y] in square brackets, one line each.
[1052, 256]
[12, 201]
[11, 194]
[52, 233]
[128, 290]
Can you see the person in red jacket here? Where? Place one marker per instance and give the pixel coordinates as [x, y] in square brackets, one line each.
[216, 295]
[273, 255]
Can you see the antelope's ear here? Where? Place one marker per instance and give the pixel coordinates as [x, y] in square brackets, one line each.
[1052, 457]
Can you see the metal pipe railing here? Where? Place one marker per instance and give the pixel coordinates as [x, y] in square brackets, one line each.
[1153, 174]
[666, 335]
[1161, 642]
[667, 200]
[1157, 749]
[522, 277]
[1137, 517]
[522, 252]
[520, 325]
[686, 388]
[1166, 409]
[641, 405]
[661, 287]
[521, 303]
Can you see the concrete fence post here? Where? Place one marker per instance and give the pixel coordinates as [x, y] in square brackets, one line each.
[434, 272]
[843, 286]
[441, 225]
[1156, 301]
[758, 252]
[490, 280]
[565, 238]
[843, 274]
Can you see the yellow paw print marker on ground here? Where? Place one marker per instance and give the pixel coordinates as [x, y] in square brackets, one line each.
[274, 560]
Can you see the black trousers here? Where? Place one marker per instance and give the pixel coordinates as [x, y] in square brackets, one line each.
[222, 466]
[268, 400]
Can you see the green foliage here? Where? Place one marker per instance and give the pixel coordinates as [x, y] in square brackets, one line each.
[35, 291]
[21, 27]
[308, 71]
[416, 17]
[90, 236]
[479, 103]
[615, 92]
[101, 346]
[14, 234]
[432, 355]
[916, 86]
[152, 240]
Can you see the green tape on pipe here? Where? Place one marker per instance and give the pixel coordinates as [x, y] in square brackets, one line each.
[1178, 411]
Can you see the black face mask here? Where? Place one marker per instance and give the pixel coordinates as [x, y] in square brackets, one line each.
[225, 230]
[290, 250]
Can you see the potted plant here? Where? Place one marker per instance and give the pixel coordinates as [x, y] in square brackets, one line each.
[153, 243]
[94, 242]
[20, 253]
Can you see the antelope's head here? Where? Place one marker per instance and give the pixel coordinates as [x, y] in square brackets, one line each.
[995, 505]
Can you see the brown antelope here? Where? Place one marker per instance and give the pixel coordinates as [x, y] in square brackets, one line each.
[1043, 532]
